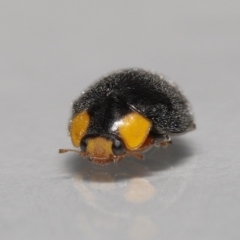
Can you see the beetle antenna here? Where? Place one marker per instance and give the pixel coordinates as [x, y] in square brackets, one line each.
[69, 150]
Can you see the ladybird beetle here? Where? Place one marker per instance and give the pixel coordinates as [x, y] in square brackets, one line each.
[125, 113]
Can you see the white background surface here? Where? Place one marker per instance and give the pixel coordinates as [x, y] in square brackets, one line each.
[50, 52]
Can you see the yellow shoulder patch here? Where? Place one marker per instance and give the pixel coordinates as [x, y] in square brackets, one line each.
[78, 127]
[134, 129]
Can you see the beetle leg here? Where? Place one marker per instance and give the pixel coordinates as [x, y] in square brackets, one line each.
[165, 144]
[191, 127]
[136, 155]
[163, 141]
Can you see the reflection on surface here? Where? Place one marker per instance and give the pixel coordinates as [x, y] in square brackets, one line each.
[142, 228]
[139, 190]
[132, 190]
[92, 224]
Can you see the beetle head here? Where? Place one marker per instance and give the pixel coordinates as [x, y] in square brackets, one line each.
[103, 149]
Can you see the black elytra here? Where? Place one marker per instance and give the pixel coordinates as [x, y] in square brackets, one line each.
[122, 92]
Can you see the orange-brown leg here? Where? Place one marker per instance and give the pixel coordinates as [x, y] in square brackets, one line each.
[165, 143]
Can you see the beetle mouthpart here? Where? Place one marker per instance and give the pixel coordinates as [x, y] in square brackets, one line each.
[100, 161]
[105, 161]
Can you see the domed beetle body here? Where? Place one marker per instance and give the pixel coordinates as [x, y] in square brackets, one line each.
[125, 113]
